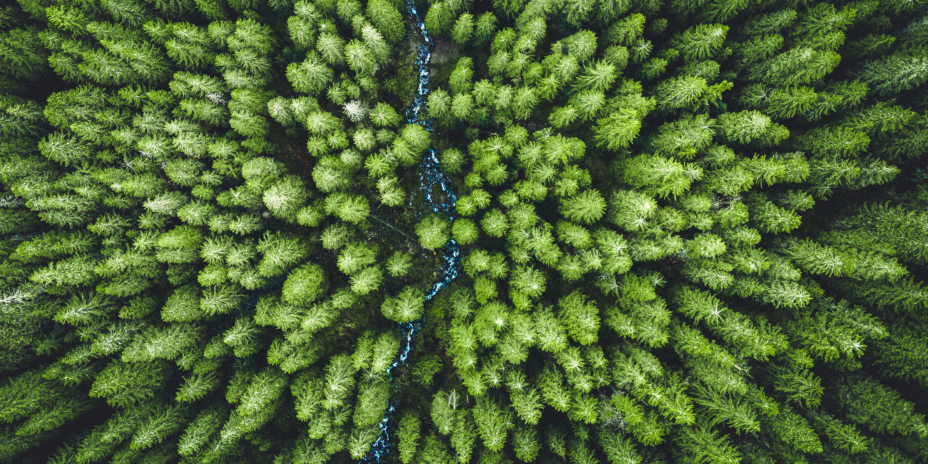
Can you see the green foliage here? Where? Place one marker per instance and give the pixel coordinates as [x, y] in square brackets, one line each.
[433, 232]
[587, 207]
[304, 285]
[405, 307]
[580, 317]
[123, 384]
[310, 76]
[880, 409]
[464, 231]
[493, 423]
[463, 29]
[618, 129]
[660, 176]
[408, 436]
[651, 270]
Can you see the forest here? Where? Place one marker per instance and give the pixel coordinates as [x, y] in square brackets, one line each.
[464, 231]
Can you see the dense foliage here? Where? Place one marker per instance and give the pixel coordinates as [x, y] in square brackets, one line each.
[695, 231]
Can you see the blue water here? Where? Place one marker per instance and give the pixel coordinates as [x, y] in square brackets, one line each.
[430, 177]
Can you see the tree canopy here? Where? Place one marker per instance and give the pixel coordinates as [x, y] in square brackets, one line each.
[556, 231]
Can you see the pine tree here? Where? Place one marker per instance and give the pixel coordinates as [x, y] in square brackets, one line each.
[432, 232]
[618, 129]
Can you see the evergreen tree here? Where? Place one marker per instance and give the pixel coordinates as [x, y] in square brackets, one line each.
[615, 257]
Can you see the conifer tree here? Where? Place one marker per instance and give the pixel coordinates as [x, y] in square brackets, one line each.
[655, 232]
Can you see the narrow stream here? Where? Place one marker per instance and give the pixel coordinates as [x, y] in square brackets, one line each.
[430, 176]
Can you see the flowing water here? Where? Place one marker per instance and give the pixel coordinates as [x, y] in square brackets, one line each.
[430, 177]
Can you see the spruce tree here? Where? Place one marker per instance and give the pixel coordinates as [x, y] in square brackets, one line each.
[253, 231]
